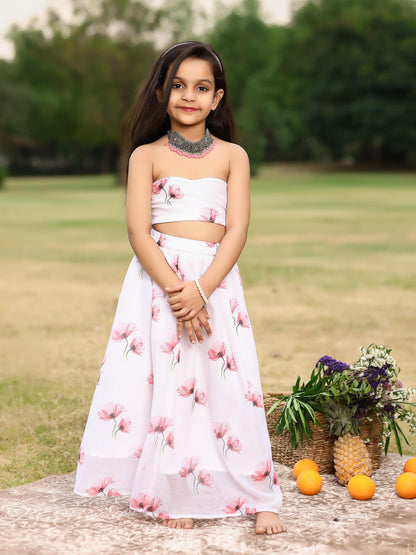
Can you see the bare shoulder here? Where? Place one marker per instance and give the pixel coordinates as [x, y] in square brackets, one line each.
[234, 156]
[239, 161]
[232, 149]
[147, 152]
[237, 150]
[238, 154]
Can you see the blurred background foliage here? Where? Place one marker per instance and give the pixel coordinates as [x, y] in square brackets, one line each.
[338, 83]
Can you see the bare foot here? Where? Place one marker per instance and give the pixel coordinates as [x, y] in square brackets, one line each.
[178, 523]
[269, 523]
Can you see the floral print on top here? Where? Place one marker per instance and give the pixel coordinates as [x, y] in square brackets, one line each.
[177, 199]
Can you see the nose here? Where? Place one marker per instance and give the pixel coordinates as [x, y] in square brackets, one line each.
[188, 94]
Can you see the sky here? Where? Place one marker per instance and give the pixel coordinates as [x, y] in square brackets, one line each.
[22, 11]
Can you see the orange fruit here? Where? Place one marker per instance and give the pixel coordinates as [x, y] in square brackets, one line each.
[309, 482]
[361, 487]
[410, 465]
[304, 464]
[406, 485]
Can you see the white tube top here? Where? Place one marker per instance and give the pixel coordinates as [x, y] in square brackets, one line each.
[176, 199]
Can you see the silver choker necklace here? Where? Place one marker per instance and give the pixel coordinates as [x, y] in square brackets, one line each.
[190, 149]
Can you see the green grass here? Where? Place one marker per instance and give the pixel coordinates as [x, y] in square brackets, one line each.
[329, 265]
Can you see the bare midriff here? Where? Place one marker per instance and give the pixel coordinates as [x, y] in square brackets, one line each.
[200, 231]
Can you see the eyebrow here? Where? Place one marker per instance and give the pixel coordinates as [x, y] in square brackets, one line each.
[196, 80]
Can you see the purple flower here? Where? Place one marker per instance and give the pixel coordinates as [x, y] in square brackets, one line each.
[390, 410]
[331, 365]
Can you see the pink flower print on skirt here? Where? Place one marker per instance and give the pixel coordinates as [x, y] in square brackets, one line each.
[150, 433]
[155, 312]
[110, 413]
[169, 348]
[218, 351]
[265, 470]
[254, 397]
[235, 505]
[242, 320]
[203, 478]
[232, 443]
[189, 390]
[175, 265]
[100, 487]
[122, 333]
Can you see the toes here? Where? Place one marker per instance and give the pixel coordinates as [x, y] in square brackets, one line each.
[278, 529]
[269, 526]
[178, 523]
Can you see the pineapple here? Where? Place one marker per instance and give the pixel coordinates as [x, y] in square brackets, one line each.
[350, 453]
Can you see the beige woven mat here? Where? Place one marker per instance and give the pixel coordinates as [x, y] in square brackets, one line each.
[45, 517]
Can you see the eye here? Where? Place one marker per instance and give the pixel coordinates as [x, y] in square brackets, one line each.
[176, 86]
[202, 88]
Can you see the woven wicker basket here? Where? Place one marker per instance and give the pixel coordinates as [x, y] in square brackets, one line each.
[320, 447]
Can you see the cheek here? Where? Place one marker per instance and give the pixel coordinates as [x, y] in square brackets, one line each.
[173, 98]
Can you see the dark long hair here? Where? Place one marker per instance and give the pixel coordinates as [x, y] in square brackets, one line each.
[147, 119]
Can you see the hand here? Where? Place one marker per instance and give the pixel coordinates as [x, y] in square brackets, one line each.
[185, 300]
[194, 325]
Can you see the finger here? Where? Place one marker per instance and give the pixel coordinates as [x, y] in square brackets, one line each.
[205, 324]
[183, 314]
[179, 329]
[197, 329]
[174, 299]
[190, 331]
[175, 288]
[191, 314]
[176, 306]
[205, 312]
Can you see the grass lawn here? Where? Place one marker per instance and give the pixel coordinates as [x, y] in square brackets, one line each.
[330, 265]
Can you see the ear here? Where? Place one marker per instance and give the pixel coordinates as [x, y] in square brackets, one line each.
[217, 98]
[159, 95]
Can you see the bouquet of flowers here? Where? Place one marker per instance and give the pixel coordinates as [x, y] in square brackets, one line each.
[348, 394]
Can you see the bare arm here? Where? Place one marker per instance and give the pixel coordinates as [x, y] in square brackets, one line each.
[238, 215]
[138, 216]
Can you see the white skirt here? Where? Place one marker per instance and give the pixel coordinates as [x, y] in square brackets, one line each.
[179, 427]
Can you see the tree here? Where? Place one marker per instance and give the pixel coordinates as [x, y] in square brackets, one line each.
[79, 79]
[242, 40]
[349, 65]
[79, 84]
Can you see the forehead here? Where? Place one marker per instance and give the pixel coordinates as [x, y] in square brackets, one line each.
[195, 69]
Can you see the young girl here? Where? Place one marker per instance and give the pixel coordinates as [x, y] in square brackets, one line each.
[177, 420]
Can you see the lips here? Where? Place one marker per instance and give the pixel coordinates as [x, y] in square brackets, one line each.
[187, 109]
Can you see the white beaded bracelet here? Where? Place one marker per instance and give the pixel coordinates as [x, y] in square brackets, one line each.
[204, 297]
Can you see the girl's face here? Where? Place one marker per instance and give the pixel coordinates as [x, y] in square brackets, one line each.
[193, 94]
